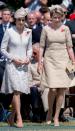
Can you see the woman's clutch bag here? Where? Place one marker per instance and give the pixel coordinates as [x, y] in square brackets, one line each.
[70, 68]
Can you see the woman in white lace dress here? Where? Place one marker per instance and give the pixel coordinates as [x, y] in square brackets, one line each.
[17, 48]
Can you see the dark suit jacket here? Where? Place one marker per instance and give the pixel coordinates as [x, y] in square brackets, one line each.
[36, 33]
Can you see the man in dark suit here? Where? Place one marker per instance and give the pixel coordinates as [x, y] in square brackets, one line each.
[33, 19]
[6, 14]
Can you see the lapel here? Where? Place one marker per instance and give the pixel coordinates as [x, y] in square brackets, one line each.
[1, 29]
[1, 32]
[10, 25]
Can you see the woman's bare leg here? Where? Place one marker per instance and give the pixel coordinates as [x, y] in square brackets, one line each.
[17, 105]
[59, 101]
[51, 98]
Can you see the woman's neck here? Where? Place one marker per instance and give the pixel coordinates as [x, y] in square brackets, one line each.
[56, 26]
[20, 30]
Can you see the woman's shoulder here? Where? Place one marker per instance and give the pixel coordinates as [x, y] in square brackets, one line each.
[46, 28]
[11, 29]
[65, 27]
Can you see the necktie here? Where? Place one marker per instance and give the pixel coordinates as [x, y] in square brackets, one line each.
[5, 27]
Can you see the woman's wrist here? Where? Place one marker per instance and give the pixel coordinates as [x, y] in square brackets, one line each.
[73, 62]
[42, 60]
[40, 63]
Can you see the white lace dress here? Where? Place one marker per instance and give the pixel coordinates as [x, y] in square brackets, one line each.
[15, 45]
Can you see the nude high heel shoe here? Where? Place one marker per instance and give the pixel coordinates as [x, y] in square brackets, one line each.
[48, 122]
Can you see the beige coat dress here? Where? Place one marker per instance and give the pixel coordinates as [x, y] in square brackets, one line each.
[56, 57]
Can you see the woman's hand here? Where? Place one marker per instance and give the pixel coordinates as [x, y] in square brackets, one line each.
[21, 62]
[26, 61]
[17, 61]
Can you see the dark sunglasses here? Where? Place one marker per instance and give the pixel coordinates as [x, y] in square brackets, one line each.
[0, 18]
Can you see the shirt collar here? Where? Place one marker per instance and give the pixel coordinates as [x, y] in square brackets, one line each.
[7, 24]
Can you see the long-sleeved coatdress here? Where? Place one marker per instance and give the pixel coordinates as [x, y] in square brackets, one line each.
[15, 45]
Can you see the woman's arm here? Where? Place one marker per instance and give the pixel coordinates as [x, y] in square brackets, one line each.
[29, 47]
[43, 41]
[40, 62]
[71, 54]
[69, 45]
[41, 55]
[29, 50]
[73, 36]
[4, 46]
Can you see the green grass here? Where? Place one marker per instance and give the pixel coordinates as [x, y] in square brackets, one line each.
[28, 126]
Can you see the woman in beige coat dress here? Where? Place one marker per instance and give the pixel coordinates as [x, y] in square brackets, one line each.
[58, 51]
